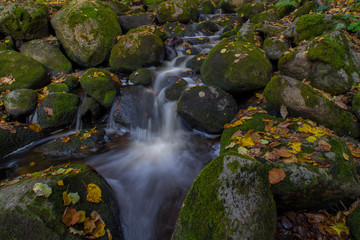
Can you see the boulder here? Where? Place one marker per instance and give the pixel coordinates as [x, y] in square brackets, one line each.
[48, 55]
[206, 108]
[100, 85]
[77, 145]
[230, 199]
[58, 87]
[355, 104]
[309, 166]
[173, 11]
[87, 30]
[301, 100]
[128, 22]
[57, 110]
[174, 91]
[91, 110]
[120, 8]
[18, 71]
[20, 103]
[236, 67]
[24, 21]
[136, 50]
[142, 76]
[157, 30]
[275, 46]
[250, 9]
[247, 33]
[208, 27]
[42, 217]
[196, 62]
[264, 16]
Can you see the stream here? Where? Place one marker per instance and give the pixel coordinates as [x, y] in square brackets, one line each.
[152, 166]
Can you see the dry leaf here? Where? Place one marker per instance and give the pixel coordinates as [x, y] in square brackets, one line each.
[284, 152]
[60, 183]
[276, 175]
[65, 139]
[108, 234]
[35, 127]
[66, 199]
[70, 217]
[346, 157]
[49, 111]
[283, 111]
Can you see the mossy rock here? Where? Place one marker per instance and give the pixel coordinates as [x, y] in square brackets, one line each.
[174, 91]
[87, 31]
[208, 7]
[352, 222]
[128, 22]
[27, 72]
[250, 9]
[284, 10]
[208, 27]
[230, 199]
[196, 62]
[305, 9]
[41, 217]
[48, 55]
[315, 177]
[16, 137]
[4, 46]
[72, 81]
[206, 108]
[91, 110]
[24, 21]
[77, 145]
[302, 100]
[246, 33]
[274, 47]
[230, 33]
[57, 110]
[172, 11]
[120, 8]
[265, 16]
[227, 7]
[157, 30]
[99, 84]
[20, 103]
[58, 87]
[142, 76]
[136, 50]
[236, 67]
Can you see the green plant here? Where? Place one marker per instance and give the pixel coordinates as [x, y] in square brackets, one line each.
[354, 27]
[322, 7]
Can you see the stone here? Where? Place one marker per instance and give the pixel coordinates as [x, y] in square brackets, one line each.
[20, 103]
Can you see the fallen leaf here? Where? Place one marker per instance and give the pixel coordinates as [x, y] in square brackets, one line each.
[295, 147]
[340, 227]
[35, 127]
[83, 147]
[284, 152]
[108, 234]
[42, 189]
[49, 111]
[66, 199]
[74, 197]
[60, 183]
[311, 139]
[323, 146]
[346, 157]
[65, 139]
[82, 216]
[94, 193]
[76, 232]
[223, 50]
[70, 216]
[276, 175]
[283, 111]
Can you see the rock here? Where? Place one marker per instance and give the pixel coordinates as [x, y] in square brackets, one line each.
[136, 50]
[20, 103]
[90, 110]
[120, 8]
[99, 84]
[305, 9]
[227, 7]
[58, 87]
[87, 30]
[250, 9]
[26, 72]
[135, 107]
[230, 199]
[302, 100]
[236, 67]
[264, 16]
[175, 29]
[208, 7]
[208, 27]
[157, 30]
[24, 21]
[15, 137]
[196, 62]
[48, 55]
[230, 34]
[174, 91]
[284, 10]
[72, 81]
[128, 22]
[57, 110]
[142, 76]
[77, 145]
[206, 108]
[329, 63]
[271, 30]
[319, 168]
[352, 222]
[247, 33]
[356, 105]
[274, 47]
[173, 11]
[43, 216]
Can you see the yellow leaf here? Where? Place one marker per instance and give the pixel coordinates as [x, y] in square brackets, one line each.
[311, 139]
[340, 227]
[346, 157]
[35, 127]
[94, 193]
[66, 199]
[60, 183]
[188, 51]
[83, 147]
[108, 234]
[296, 147]
[99, 230]
[252, 108]
[82, 216]
[89, 225]
[223, 50]
[232, 125]
[246, 142]
[68, 170]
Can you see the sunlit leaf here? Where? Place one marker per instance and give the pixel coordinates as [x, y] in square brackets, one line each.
[82, 216]
[42, 189]
[65, 139]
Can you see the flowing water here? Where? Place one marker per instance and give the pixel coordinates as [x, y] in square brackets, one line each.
[152, 166]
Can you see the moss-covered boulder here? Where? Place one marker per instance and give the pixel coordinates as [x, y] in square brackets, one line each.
[173, 11]
[157, 30]
[275, 46]
[206, 108]
[264, 16]
[128, 22]
[250, 9]
[208, 7]
[24, 20]
[91, 110]
[41, 217]
[302, 100]
[247, 33]
[57, 110]
[313, 167]
[208, 27]
[80, 144]
[230, 199]
[196, 62]
[176, 29]
[236, 67]
[142, 76]
[99, 84]
[283, 10]
[15, 137]
[58, 87]
[120, 8]
[305, 9]
[135, 107]
[174, 91]
[353, 221]
[20, 103]
[87, 30]
[136, 50]
[48, 55]
[18, 71]
[328, 63]
[72, 81]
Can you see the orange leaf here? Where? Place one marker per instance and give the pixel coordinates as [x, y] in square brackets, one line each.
[70, 217]
[284, 152]
[276, 175]
[65, 139]
[35, 127]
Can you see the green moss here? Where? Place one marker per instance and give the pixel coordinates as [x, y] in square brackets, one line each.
[283, 10]
[265, 16]
[305, 9]
[353, 222]
[233, 166]
[310, 26]
[229, 34]
[309, 95]
[208, 26]
[58, 87]
[287, 57]
[250, 9]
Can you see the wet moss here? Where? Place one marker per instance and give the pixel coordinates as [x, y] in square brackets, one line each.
[58, 87]
[250, 9]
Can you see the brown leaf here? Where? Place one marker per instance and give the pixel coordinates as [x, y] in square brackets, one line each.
[276, 175]
[284, 152]
[283, 111]
[70, 217]
[49, 111]
[274, 144]
[65, 139]
[271, 156]
[323, 146]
